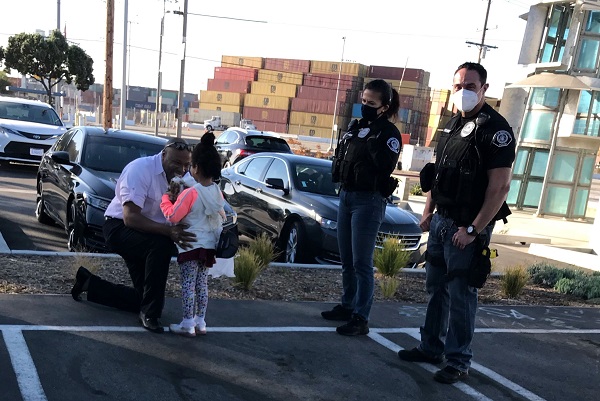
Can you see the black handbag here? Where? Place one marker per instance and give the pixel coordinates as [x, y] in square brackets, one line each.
[228, 244]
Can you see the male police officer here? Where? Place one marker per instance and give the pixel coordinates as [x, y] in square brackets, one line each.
[469, 183]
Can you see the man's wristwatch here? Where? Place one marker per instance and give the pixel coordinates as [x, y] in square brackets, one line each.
[471, 230]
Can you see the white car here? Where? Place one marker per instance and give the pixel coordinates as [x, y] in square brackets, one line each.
[27, 129]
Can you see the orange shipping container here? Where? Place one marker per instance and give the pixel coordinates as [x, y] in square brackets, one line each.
[279, 76]
[241, 61]
[220, 107]
[283, 64]
[271, 88]
[269, 102]
[316, 120]
[236, 99]
[333, 67]
[228, 85]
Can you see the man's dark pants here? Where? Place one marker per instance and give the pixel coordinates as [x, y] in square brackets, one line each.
[147, 257]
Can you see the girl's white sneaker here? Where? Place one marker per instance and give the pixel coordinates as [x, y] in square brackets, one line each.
[182, 331]
[200, 329]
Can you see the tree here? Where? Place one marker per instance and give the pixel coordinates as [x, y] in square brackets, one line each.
[4, 82]
[48, 60]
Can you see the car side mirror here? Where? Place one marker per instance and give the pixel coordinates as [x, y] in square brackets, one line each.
[61, 157]
[276, 183]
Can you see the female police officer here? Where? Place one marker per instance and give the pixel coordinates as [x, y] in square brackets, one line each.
[365, 157]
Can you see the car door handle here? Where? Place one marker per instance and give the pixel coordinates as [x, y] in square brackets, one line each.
[237, 182]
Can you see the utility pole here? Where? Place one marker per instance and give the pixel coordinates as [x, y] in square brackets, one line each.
[108, 88]
[482, 46]
[58, 14]
[182, 76]
[334, 127]
[159, 86]
[123, 110]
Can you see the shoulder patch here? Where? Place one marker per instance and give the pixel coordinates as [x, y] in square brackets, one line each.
[363, 132]
[502, 139]
[394, 145]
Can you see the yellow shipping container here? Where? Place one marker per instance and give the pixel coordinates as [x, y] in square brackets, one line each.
[232, 98]
[269, 102]
[333, 67]
[294, 78]
[271, 88]
[241, 61]
[396, 83]
[434, 120]
[409, 92]
[220, 107]
[316, 132]
[316, 120]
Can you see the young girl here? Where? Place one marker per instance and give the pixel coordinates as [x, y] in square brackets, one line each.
[201, 207]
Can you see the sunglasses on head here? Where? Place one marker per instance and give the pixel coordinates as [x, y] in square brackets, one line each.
[180, 146]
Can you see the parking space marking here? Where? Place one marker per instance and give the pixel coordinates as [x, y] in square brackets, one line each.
[498, 378]
[31, 388]
[22, 363]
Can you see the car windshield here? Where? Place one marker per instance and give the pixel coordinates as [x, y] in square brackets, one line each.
[315, 179]
[29, 112]
[113, 154]
[271, 143]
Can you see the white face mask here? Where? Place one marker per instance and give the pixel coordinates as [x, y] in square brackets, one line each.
[465, 100]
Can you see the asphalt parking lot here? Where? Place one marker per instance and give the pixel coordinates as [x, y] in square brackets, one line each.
[53, 348]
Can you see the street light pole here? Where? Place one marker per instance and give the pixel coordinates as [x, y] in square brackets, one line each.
[124, 80]
[182, 76]
[337, 91]
[157, 101]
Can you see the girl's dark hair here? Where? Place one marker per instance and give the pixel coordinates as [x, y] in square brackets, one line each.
[206, 158]
[388, 95]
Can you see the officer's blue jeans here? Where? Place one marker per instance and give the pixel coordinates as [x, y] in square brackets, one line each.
[452, 302]
[359, 217]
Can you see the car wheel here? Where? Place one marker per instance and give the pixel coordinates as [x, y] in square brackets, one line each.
[75, 241]
[40, 210]
[295, 249]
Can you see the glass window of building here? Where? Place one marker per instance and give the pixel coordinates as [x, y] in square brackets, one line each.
[587, 121]
[540, 114]
[557, 30]
[589, 46]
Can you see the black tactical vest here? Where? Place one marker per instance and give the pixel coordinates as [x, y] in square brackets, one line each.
[352, 164]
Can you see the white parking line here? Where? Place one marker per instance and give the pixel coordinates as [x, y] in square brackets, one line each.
[27, 377]
[31, 387]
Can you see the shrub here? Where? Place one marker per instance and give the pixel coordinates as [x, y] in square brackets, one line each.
[513, 281]
[90, 263]
[391, 258]
[388, 286]
[263, 247]
[416, 190]
[549, 275]
[246, 267]
[586, 286]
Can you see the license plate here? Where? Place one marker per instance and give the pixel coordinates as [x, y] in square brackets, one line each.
[36, 152]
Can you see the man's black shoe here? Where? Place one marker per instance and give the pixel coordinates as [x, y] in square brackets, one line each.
[355, 327]
[151, 323]
[81, 283]
[337, 313]
[450, 375]
[416, 355]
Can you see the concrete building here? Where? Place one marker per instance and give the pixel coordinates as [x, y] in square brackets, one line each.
[556, 110]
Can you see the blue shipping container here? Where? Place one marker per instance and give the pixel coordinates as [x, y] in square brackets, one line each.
[356, 110]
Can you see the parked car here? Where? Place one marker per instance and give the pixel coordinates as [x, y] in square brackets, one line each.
[236, 143]
[293, 200]
[77, 176]
[27, 129]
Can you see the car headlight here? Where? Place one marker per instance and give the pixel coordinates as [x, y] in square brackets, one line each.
[7, 131]
[96, 201]
[326, 223]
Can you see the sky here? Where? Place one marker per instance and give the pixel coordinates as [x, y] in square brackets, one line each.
[425, 34]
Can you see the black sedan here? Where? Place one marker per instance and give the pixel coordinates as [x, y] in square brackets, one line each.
[293, 200]
[236, 143]
[76, 180]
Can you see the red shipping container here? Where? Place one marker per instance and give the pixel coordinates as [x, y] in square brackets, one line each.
[320, 106]
[270, 126]
[309, 92]
[329, 81]
[410, 74]
[236, 74]
[228, 85]
[262, 114]
[288, 65]
[405, 139]
[407, 102]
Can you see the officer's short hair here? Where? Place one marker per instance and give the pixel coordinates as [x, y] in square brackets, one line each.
[475, 67]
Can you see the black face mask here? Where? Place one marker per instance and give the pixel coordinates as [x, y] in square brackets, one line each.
[369, 113]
